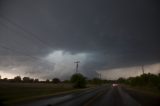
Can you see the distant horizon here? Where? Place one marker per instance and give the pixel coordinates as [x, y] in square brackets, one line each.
[108, 75]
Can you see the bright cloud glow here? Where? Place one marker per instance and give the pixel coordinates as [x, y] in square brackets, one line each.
[6, 75]
[56, 64]
[64, 62]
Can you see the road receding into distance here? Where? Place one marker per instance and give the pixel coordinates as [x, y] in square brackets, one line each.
[101, 96]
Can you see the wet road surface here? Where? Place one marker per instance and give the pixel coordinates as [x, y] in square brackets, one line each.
[101, 96]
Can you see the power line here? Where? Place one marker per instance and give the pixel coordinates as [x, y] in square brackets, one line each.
[77, 62]
[13, 50]
[26, 31]
[17, 33]
[24, 35]
[142, 69]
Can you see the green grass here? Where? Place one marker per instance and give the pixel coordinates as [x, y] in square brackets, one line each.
[17, 92]
[146, 89]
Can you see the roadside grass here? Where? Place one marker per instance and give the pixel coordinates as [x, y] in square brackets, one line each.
[154, 91]
[17, 92]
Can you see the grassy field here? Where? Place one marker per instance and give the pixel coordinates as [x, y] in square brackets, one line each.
[18, 92]
[145, 89]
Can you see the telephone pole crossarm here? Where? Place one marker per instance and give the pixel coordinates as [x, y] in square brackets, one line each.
[77, 62]
[142, 69]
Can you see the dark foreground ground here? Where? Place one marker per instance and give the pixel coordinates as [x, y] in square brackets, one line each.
[100, 96]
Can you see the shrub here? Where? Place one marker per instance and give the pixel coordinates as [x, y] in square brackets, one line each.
[78, 80]
[56, 80]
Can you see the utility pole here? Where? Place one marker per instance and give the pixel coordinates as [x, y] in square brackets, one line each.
[100, 75]
[77, 62]
[142, 69]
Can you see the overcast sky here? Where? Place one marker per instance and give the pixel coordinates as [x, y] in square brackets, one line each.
[43, 38]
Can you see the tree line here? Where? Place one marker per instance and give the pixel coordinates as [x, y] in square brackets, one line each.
[147, 79]
[77, 80]
[29, 80]
[80, 81]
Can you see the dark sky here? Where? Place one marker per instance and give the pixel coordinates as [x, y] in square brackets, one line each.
[110, 33]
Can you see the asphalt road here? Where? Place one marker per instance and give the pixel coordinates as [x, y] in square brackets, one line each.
[101, 96]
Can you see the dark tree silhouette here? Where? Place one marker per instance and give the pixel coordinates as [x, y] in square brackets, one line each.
[96, 81]
[47, 81]
[26, 79]
[17, 79]
[149, 80]
[56, 80]
[36, 80]
[78, 80]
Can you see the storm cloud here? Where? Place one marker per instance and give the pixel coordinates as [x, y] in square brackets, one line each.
[102, 34]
